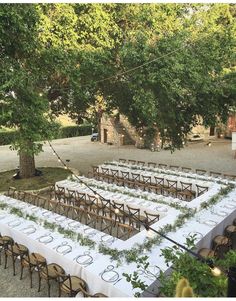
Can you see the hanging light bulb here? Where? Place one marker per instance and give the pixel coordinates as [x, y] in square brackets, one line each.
[59, 160]
[54, 154]
[65, 167]
[117, 210]
[215, 271]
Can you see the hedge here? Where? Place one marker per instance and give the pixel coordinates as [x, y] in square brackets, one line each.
[6, 137]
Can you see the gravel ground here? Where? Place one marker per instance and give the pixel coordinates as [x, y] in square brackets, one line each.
[82, 154]
[12, 286]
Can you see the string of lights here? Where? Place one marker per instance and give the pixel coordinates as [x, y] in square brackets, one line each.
[117, 75]
[215, 271]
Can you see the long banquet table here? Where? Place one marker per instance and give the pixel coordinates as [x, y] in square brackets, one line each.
[205, 224]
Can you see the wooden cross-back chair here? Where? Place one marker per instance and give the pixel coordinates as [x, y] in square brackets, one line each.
[152, 164]
[134, 217]
[170, 188]
[186, 169]
[132, 162]
[186, 193]
[200, 190]
[151, 218]
[201, 172]
[162, 166]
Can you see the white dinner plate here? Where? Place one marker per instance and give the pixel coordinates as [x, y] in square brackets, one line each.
[46, 239]
[161, 209]
[107, 239]
[64, 249]
[90, 231]
[74, 224]
[110, 276]
[230, 206]
[210, 223]
[14, 223]
[29, 230]
[47, 213]
[221, 213]
[60, 218]
[84, 259]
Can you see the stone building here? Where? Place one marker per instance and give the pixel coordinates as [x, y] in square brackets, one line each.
[116, 129]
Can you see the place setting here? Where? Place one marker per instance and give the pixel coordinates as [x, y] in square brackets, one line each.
[110, 275]
[46, 238]
[84, 259]
[196, 235]
[29, 230]
[14, 223]
[152, 272]
[107, 239]
[63, 248]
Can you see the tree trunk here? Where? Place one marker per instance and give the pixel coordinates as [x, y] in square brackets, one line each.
[27, 165]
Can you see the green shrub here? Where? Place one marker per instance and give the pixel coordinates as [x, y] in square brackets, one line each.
[75, 130]
[7, 137]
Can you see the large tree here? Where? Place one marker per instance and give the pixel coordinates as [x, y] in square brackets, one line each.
[189, 80]
[31, 64]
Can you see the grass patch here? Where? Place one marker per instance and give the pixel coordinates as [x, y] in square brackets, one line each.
[50, 176]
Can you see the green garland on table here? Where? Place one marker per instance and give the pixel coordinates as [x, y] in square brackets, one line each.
[82, 240]
[110, 188]
[218, 181]
[212, 201]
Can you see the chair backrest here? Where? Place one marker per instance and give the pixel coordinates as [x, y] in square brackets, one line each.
[152, 164]
[125, 174]
[215, 174]
[201, 189]
[71, 195]
[131, 162]
[159, 181]
[174, 167]
[161, 165]
[135, 176]
[141, 163]
[186, 186]
[229, 177]
[186, 169]
[80, 196]
[146, 179]
[201, 171]
[151, 217]
[171, 184]
[105, 170]
[122, 160]
[90, 201]
[134, 212]
[114, 172]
